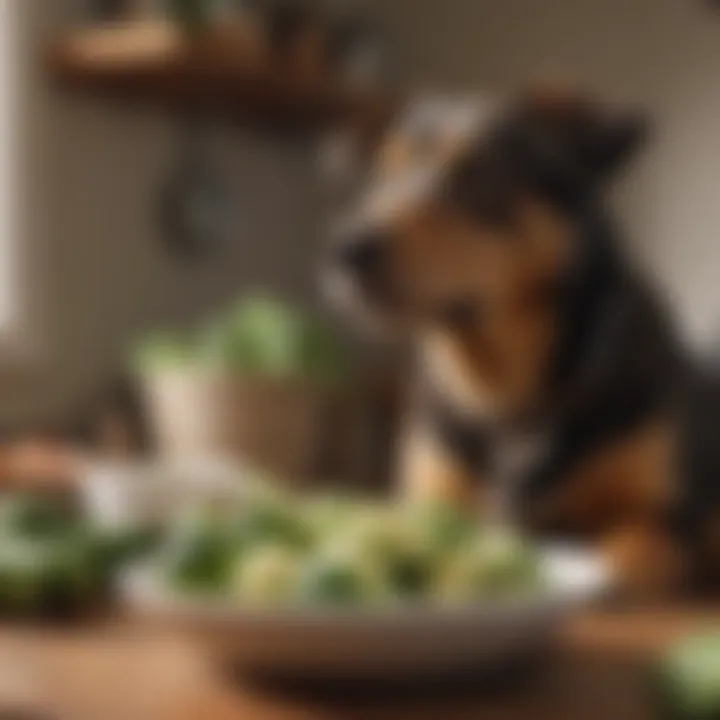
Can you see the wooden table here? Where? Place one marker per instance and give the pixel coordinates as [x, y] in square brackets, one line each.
[116, 672]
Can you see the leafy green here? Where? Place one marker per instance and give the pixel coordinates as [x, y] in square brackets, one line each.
[335, 582]
[268, 574]
[201, 558]
[161, 351]
[33, 517]
[332, 551]
[260, 336]
[271, 522]
[52, 562]
[690, 676]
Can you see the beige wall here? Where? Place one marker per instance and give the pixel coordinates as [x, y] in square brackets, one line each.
[661, 54]
[96, 275]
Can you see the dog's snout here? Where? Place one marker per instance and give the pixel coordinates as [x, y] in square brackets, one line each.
[363, 255]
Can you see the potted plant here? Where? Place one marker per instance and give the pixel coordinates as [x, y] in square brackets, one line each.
[264, 383]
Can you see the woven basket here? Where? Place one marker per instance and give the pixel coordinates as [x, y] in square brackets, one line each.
[296, 430]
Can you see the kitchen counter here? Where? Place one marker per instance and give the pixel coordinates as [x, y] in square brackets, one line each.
[119, 671]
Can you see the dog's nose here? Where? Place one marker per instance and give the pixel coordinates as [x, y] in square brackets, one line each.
[364, 254]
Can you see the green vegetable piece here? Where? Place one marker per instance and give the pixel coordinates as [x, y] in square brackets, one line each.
[68, 581]
[327, 516]
[494, 565]
[689, 678]
[343, 574]
[110, 552]
[201, 559]
[48, 576]
[323, 357]
[266, 574]
[21, 568]
[444, 527]
[410, 574]
[223, 347]
[261, 336]
[334, 582]
[163, 351]
[270, 522]
[272, 331]
[34, 517]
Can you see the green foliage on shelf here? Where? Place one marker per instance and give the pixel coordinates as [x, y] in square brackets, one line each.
[262, 336]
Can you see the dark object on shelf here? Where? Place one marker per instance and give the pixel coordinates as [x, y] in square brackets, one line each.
[198, 15]
[297, 37]
[318, 42]
[287, 22]
[358, 51]
[108, 10]
[195, 206]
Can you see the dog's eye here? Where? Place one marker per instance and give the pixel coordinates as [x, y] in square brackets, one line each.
[459, 314]
[481, 191]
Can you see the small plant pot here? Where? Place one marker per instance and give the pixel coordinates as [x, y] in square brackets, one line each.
[293, 429]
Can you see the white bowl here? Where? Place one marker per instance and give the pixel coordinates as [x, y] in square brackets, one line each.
[397, 640]
[123, 496]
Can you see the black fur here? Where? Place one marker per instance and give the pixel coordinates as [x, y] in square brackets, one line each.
[619, 364]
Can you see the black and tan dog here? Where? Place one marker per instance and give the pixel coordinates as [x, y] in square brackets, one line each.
[550, 385]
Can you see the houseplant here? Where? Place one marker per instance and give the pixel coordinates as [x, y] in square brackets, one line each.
[265, 383]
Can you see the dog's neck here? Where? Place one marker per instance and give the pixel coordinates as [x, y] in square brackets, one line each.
[587, 317]
[587, 312]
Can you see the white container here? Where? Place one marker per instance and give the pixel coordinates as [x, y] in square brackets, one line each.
[289, 428]
[127, 496]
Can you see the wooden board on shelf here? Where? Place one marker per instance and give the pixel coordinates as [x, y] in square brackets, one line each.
[227, 72]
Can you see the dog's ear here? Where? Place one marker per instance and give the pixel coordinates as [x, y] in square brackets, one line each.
[620, 140]
[576, 139]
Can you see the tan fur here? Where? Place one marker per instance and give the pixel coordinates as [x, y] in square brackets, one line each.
[500, 361]
[645, 561]
[428, 472]
[438, 254]
[412, 144]
[631, 482]
[496, 365]
[617, 499]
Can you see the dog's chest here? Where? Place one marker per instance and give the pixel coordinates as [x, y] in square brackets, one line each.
[499, 457]
[511, 458]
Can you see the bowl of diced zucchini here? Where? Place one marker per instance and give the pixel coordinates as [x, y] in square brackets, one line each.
[346, 586]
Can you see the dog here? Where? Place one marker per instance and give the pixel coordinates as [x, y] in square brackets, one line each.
[550, 387]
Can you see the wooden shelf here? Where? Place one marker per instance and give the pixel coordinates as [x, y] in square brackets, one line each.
[225, 72]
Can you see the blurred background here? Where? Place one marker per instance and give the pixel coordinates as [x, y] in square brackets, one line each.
[97, 253]
[85, 271]
[166, 188]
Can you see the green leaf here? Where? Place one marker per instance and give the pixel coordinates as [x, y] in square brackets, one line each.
[162, 351]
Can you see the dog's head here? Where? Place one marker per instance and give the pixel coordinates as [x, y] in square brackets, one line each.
[469, 227]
